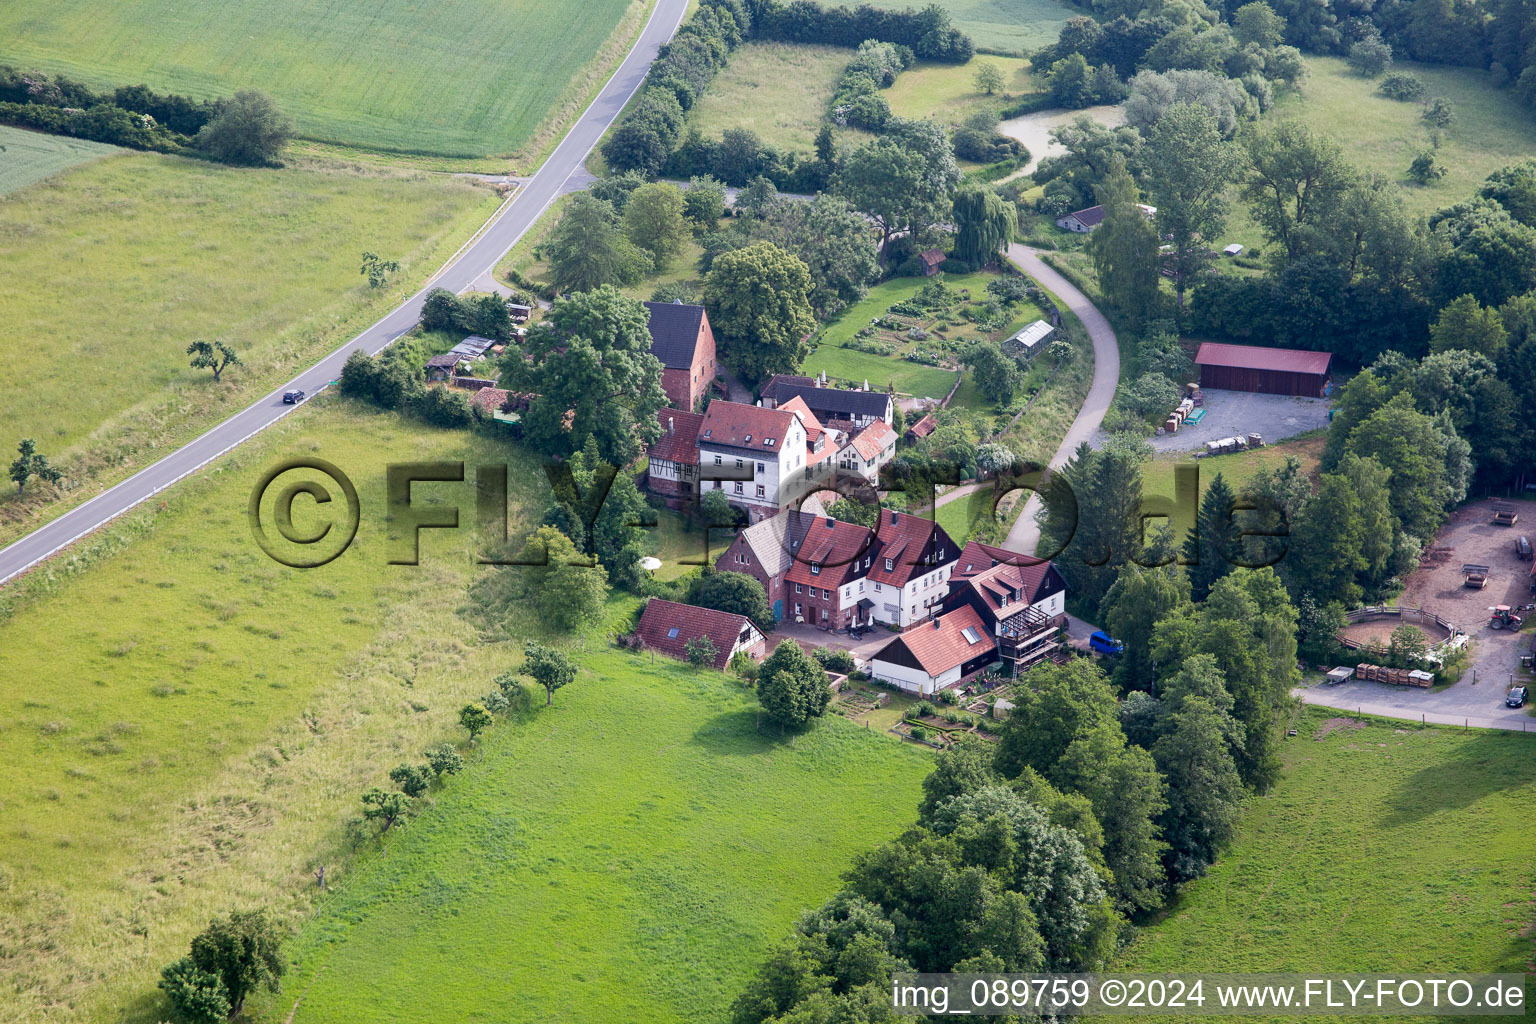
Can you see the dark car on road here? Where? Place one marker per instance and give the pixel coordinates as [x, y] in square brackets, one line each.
[293, 397]
[1517, 697]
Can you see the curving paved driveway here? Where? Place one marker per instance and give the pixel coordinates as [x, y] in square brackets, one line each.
[562, 172]
[1106, 374]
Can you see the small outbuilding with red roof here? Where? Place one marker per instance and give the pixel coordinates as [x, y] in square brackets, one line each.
[667, 627]
[936, 655]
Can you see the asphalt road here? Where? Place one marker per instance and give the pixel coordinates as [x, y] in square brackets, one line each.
[560, 173]
[1106, 375]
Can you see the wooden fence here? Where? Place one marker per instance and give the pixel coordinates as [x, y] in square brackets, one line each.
[1416, 616]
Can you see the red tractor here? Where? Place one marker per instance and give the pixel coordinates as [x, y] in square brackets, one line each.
[1504, 617]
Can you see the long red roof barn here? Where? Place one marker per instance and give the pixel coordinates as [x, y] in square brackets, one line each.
[1269, 371]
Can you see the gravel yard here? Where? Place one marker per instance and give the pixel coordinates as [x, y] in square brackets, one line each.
[1229, 413]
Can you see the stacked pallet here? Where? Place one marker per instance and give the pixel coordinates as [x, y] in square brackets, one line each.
[1177, 417]
[1394, 676]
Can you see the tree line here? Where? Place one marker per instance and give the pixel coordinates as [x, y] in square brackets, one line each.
[651, 136]
[246, 128]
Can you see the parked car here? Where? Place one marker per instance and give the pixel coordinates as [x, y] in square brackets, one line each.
[1517, 697]
[1101, 643]
[293, 397]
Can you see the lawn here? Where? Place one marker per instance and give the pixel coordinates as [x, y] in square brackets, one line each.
[947, 92]
[396, 75]
[1157, 476]
[1491, 128]
[778, 90]
[112, 268]
[631, 854]
[188, 722]
[1005, 26]
[835, 357]
[26, 156]
[1384, 848]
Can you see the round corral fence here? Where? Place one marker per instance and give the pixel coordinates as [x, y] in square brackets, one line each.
[1372, 626]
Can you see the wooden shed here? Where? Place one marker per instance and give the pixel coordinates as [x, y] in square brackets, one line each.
[1268, 371]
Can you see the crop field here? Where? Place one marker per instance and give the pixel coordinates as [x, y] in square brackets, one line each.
[188, 722]
[434, 78]
[1006, 26]
[113, 267]
[26, 156]
[1384, 848]
[778, 90]
[1491, 128]
[630, 854]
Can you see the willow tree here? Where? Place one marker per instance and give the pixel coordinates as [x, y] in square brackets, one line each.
[983, 225]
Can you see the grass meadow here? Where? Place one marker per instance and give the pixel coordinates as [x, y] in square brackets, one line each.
[1003, 26]
[948, 93]
[630, 854]
[26, 156]
[1384, 848]
[1491, 128]
[778, 90]
[440, 79]
[1157, 476]
[191, 723]
[188, 722]
[113, 267]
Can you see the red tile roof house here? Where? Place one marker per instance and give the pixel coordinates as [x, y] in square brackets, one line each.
[681, 338]
[766, 550]
[1023, 606]
[765, 460]
[840, 575]
[673, 460]
[922, 428]
[868, 450]
[935, 656]
[666, 627]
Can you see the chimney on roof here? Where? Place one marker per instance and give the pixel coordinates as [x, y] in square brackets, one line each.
[671, 428]
[936, 622]
[894, 516]
[866, 383]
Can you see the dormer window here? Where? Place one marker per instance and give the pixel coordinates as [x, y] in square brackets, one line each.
[890, 564]
[815, 568]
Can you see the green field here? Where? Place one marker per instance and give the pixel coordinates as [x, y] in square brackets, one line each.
[1157, 476]
[630, 855]
[26, 156]
[1006, 26]
[778, 90]
[188, 722]
[396, 75]
[112, 268]
[1386, 848]
[947, 92]
[1491, 128]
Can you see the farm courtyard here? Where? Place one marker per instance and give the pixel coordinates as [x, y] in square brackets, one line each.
[1469, 537]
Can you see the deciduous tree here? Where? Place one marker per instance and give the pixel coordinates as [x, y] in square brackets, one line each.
[216, 357]
[759, 305]
[548, 667]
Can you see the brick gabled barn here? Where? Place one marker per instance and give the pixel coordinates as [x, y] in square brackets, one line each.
[682, 339]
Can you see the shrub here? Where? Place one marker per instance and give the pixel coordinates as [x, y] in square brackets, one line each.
[231, 957]
[949, 696]
[412, 779]
[921, 709]
[919, 733]
[1402, 85]
[443, 759]
[495, 702]
[834, 658]
[952, 716]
